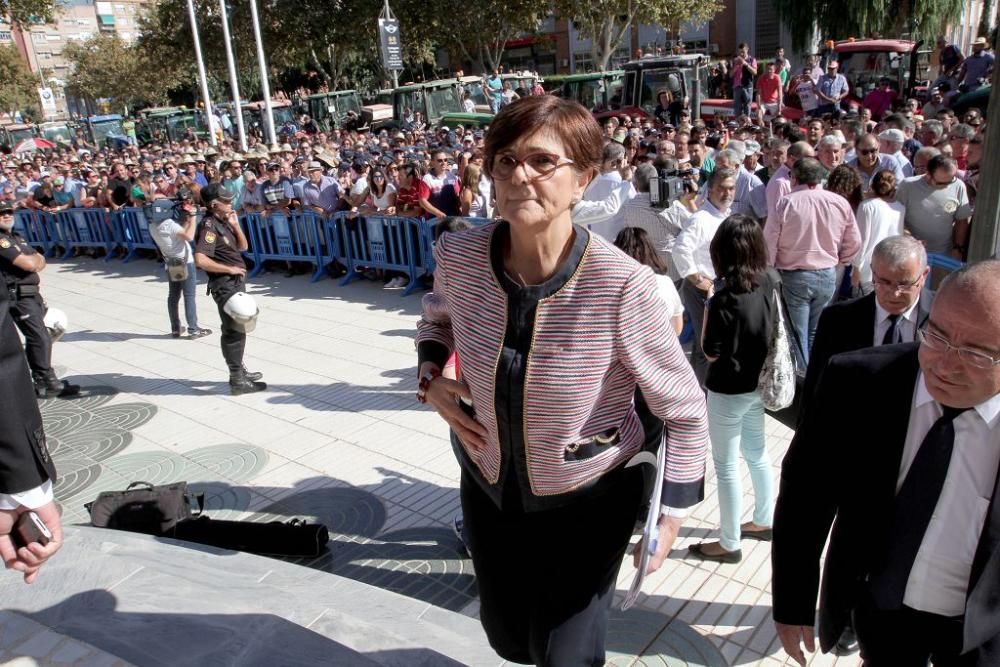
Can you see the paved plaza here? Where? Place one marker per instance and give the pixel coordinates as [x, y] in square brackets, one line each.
[339, 438]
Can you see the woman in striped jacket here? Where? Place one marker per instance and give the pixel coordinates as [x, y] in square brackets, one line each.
[555, 328]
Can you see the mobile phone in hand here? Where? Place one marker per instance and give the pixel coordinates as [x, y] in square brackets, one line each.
[28, 529]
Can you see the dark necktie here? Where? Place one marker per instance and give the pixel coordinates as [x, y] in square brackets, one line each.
[894, 333]
[912, 510]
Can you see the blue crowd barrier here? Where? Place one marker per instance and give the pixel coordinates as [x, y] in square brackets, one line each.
[133, 228]
[380, 243]
[31, 225]
[87, 228]
[292, 238]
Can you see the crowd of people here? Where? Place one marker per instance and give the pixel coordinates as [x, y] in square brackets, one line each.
[554, 356]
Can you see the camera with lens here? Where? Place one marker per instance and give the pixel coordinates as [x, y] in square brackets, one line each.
[668, 186]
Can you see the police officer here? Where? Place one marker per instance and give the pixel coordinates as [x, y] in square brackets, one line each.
[218, 247]
[20, 265]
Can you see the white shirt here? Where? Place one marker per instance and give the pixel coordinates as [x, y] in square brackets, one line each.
[690, 251]
[877, 220]
[939, 579]
[668, 292]
[602, 186]
[592, 212]
[32, 498]
[907, 323]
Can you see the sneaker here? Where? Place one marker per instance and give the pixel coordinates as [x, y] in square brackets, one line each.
[199, 333]
[397, 283]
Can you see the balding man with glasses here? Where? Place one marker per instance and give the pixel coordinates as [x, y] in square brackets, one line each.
[898, 452]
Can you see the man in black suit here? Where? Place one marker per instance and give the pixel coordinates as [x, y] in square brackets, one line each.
[899, 452]
[26, 469]
[891, 314]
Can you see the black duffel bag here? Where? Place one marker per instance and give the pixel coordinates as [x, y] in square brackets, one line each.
[144, 508]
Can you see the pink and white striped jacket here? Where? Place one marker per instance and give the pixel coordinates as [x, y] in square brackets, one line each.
[603, 332]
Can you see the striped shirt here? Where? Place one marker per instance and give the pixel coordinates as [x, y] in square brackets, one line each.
[597, 338]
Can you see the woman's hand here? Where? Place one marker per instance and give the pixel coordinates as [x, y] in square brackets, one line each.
[443, 395]
[668, 528]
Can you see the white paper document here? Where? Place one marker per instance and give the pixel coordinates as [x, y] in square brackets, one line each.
[650, 531]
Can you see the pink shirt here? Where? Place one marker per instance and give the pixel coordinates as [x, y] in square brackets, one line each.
[811, 229]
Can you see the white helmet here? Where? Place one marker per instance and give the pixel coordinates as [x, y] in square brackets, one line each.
[243, 309]
[56, 322]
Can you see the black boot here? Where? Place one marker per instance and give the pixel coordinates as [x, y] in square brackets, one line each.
[253, 377]
[48, 385]
[240, 383]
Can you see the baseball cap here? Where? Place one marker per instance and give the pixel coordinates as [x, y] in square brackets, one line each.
[271, 166]
[751, 148]
[832, 64]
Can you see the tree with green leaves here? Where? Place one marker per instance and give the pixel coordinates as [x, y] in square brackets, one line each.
[607, 23]
[107, 66]
[840, 19]
[18, 86]
[25, 12]
[480, 30]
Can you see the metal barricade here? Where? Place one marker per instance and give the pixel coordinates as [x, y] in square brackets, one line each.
[87, 228]
[940, 267]
[32, 227]
[293, 238]
[333, 244]
[133, 229]
[383, 243]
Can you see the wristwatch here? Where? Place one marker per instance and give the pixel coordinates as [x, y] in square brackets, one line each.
[425, 383]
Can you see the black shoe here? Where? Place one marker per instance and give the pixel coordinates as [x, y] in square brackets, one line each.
[726, 557]
[252, 376]
[765, 535]
[68, 390]
[199, 333]
[241, 384]
[847, 644]
[175, 334]
[47, 385]
[335, 269]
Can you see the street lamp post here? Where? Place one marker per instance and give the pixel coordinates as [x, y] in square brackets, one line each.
[206, 100]
[233, 81]
[264, 85]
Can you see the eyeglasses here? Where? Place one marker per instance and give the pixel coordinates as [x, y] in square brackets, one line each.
[890, 286]
[537, 166]
[938, 343]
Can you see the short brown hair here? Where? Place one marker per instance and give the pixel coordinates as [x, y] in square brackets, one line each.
[565, 119]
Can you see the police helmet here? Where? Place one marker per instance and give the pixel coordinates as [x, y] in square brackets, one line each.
[56, 322]
[243, 309]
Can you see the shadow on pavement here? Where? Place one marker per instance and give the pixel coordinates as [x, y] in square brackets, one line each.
[162, 638]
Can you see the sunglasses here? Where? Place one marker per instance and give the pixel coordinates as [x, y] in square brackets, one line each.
[868, 151]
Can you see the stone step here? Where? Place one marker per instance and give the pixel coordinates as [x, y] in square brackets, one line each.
[158, 602]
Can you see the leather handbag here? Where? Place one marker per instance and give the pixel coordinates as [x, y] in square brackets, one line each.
[177, 269]
[144, 508]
